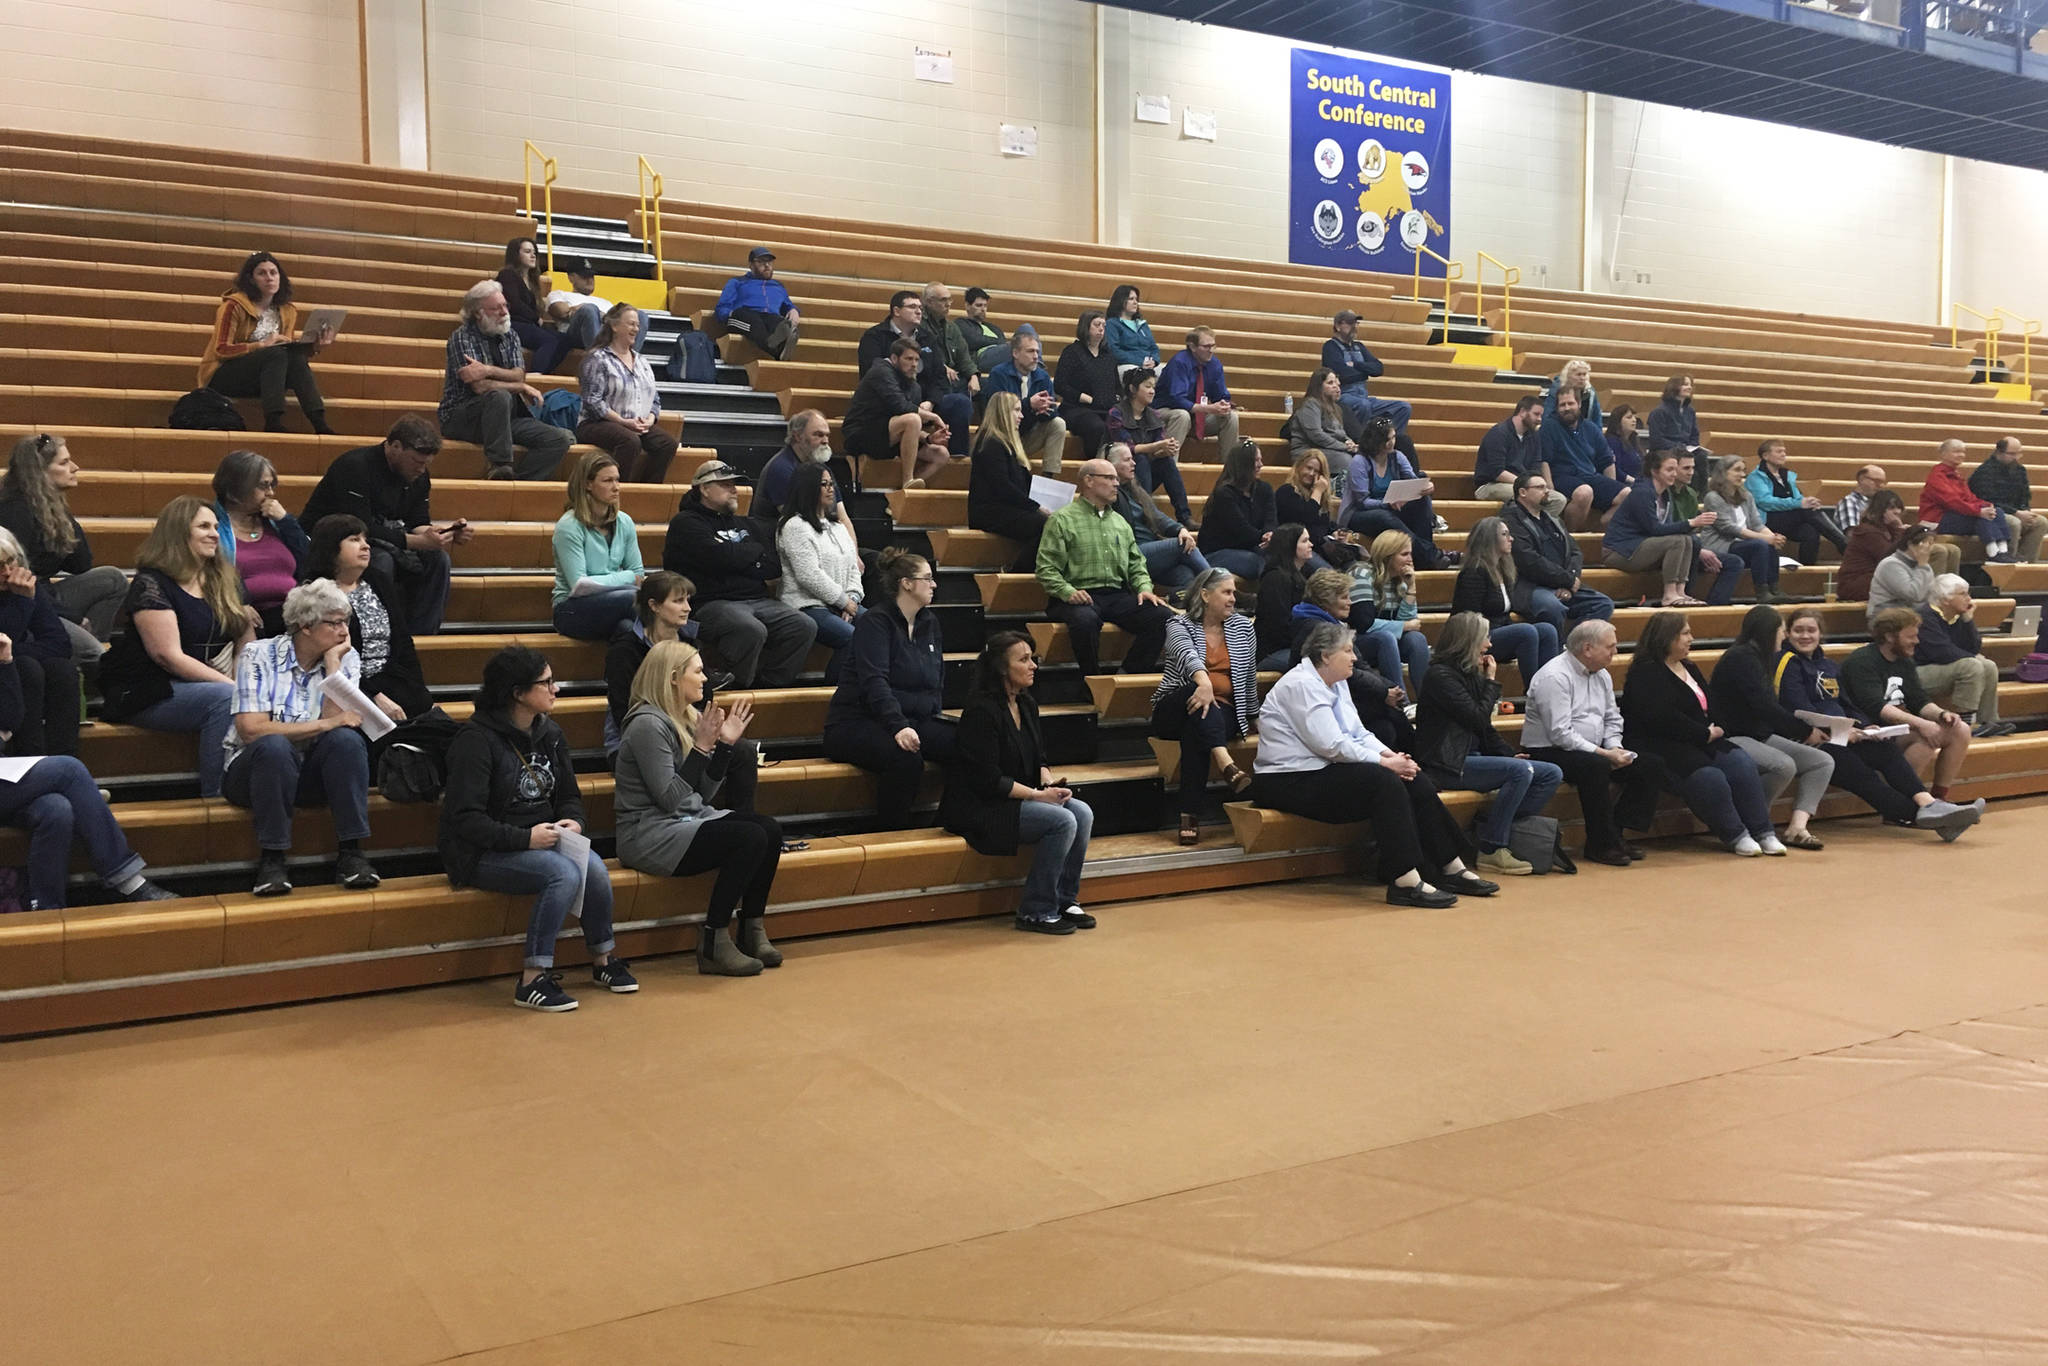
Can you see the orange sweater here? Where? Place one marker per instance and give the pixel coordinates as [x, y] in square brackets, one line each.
[232, 327]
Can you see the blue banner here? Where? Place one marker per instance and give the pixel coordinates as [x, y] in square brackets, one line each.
[1369, 164]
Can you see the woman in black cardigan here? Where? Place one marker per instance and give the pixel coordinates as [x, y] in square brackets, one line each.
[1486, 585]
[1665, 720]
[1744, 695]
[884, 715]
[1239, 516]
[1459, 749]
[1085, 382]
[392, 677]
[1000, 795]
[1288, 556]
[999, 480]
[1306, 498]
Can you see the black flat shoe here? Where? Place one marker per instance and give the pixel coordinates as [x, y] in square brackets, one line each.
[1057, 925]
[1079, 918]
[1635, 853]
[1469, 883]
[1426, 899]
[1613, 858]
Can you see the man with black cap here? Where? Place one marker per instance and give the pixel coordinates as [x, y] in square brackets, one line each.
[745, 629]
[579, 310]
[1348, 358]
[757, 307]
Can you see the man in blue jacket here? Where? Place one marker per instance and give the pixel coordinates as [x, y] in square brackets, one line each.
[1348, 358]
[757, 307]
[1193, 383]
[1044, 431]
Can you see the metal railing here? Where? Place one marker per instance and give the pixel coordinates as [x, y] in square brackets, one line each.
[652, 234]
[2029, 329]
[1453, 270]
[1994, 323]
[548, 171]
[1510, 276]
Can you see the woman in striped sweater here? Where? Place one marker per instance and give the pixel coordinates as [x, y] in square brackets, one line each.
[1209, 693]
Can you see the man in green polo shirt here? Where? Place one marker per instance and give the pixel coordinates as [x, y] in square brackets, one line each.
[1089, 565]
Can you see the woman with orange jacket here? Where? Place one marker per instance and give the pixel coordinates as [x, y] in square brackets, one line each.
[254, 351]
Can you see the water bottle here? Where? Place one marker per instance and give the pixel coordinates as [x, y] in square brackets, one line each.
[1287, 404]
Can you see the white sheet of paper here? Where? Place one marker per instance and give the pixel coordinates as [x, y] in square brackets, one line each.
[933, 64]
[349, 697]
[1837, 728]
[1404, 490]
[574, 846]
[1051, 494]
[14, 770]
[1017, 139]
[1155, 109]
[585, 586]
[1198, 123]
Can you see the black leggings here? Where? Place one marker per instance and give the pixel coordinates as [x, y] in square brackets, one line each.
[1092, 427]
[745, 849]
[1171, 720]
[899, 772]
[49, 705]
[1413, 831]
[264, 375]
[1878, 772]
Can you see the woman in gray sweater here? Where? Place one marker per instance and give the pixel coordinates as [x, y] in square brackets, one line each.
[672, 760]
[1903, 577]
[1738, 534]
[1318, 422]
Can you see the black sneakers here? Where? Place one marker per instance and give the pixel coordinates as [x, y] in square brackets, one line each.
[271, 877]
[614, 976]
[353, 871]
[544, 993]
[149, 891]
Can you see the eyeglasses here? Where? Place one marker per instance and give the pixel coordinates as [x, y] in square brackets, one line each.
[335, 621]
[922, 578]
[548, 682]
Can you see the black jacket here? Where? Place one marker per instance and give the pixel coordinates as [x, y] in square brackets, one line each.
[1079, 373]
[44, 562]
[501, 783]
[1673, 426]
[1505, 453]
[1661, 718]
[1291, 505]
[1546, 556]
[1943, 642]
[1745, 701]
[931, 373]
[1279, 590]
[883, 393]
[2003, 486]
[361, 484]
[893, 676]
[1233, 521]
[1475, 591]
[1454, 718]
[996, 480]
[990, 755]
[727, 556]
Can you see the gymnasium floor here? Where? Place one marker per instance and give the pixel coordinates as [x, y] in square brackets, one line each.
[1702, 1111]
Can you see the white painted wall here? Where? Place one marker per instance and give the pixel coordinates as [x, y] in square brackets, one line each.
[2001, 241]
[179, 71]
[800, 105]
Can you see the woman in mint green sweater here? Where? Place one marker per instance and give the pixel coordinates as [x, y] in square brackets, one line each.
[597, 553]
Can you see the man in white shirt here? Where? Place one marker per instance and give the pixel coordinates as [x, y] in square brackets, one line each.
[1573, 722]
[579, 310]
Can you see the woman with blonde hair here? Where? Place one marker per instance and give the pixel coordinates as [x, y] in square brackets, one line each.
[597, 549]
[999, 479]
[35, 506]
[1576, 375]
[621, 405]
[1307, 498]
[177, 634]
[673, 760]
[1386, 579]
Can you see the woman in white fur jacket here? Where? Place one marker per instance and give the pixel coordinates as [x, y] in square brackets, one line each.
[820, 562]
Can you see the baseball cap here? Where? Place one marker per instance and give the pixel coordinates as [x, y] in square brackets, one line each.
[716, 472]
[1346, 316]
[579, 265]
[760, 254]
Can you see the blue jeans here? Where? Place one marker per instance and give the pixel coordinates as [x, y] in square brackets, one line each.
[1153, 472]
[269, 777]
[834, 631]
[1525, 786]
[1246, 564]
[1532, 643]
[1585, 605]
[1989, 531]
[592, 616]
[548, 346]
[1061, 836]
[1415, 518]
[1384, 652]
[1169, 565]
[1366, 407]
[53, 801]
[1760, 558]
[553, 878]
[1728, 796]
[207, 708]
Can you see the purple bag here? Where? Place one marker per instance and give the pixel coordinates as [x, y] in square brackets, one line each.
[2034, 669]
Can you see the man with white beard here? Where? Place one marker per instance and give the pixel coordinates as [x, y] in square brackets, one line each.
[484, 393]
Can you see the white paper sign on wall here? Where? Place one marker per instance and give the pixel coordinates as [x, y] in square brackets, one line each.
[1198, 123]
[1018, 139]
[933, 64]
[1155, 109]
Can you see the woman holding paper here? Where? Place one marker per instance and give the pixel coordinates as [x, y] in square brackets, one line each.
[999, 496]
[1744, 697]
[340, 550]
[1867, 764]
[254, 350]
[298, 740]
[673, 764]
[1383, 493]
[597, 553]
[510, 800]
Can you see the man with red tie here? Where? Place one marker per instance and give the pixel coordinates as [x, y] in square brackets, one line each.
[1193, 382]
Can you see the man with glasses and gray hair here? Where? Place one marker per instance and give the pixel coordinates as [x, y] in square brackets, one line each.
[484, 393]
[1574, 723]
[1091, 569]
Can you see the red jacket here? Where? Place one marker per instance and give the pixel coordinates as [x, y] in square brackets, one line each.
[1947, 491]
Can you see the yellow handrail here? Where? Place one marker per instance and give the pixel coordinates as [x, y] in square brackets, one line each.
[1453, 270]
[2029, 328]
[648, 172]
[1994, 323]
[547, 186]
[1510, 276]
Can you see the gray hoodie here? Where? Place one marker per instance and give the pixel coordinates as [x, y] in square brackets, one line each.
[1898, 582]
[663, 792]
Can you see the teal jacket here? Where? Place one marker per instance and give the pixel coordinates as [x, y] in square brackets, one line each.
[584, 553]
[1130, 341]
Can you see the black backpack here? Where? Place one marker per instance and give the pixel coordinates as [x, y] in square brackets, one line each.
[695, 360]
[203, 410]
[414, 764]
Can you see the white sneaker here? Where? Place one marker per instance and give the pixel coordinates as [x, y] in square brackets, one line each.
[1745, 848]
[1772, 845]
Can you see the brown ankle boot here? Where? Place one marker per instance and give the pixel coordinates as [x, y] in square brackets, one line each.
[718, 956]
[752, 938]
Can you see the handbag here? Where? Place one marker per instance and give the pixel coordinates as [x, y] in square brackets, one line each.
[1535, 840]
[222, 661]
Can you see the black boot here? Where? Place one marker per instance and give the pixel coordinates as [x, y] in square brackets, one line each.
[273, 422]
[319, 421]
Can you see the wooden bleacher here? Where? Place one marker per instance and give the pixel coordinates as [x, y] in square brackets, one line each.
[117, 254]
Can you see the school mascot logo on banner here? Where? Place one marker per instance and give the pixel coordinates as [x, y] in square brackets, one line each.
[1369, 164]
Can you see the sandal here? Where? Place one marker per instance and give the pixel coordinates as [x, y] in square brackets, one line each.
[1805, 839]
[1190, 831]
[1683, 600]
[1239, 780]
[795, 846]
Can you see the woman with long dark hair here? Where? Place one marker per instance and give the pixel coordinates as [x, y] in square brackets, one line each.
[1239, 519]
[1375, 468]
[1744, 698]
[1130, 336]
[1155, 437]
[35, 506]
[1001, 794]
[1624, 443]
[525, 288]
[821, 570]
[1485, 586]
[1290, 559]
[254, 350]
